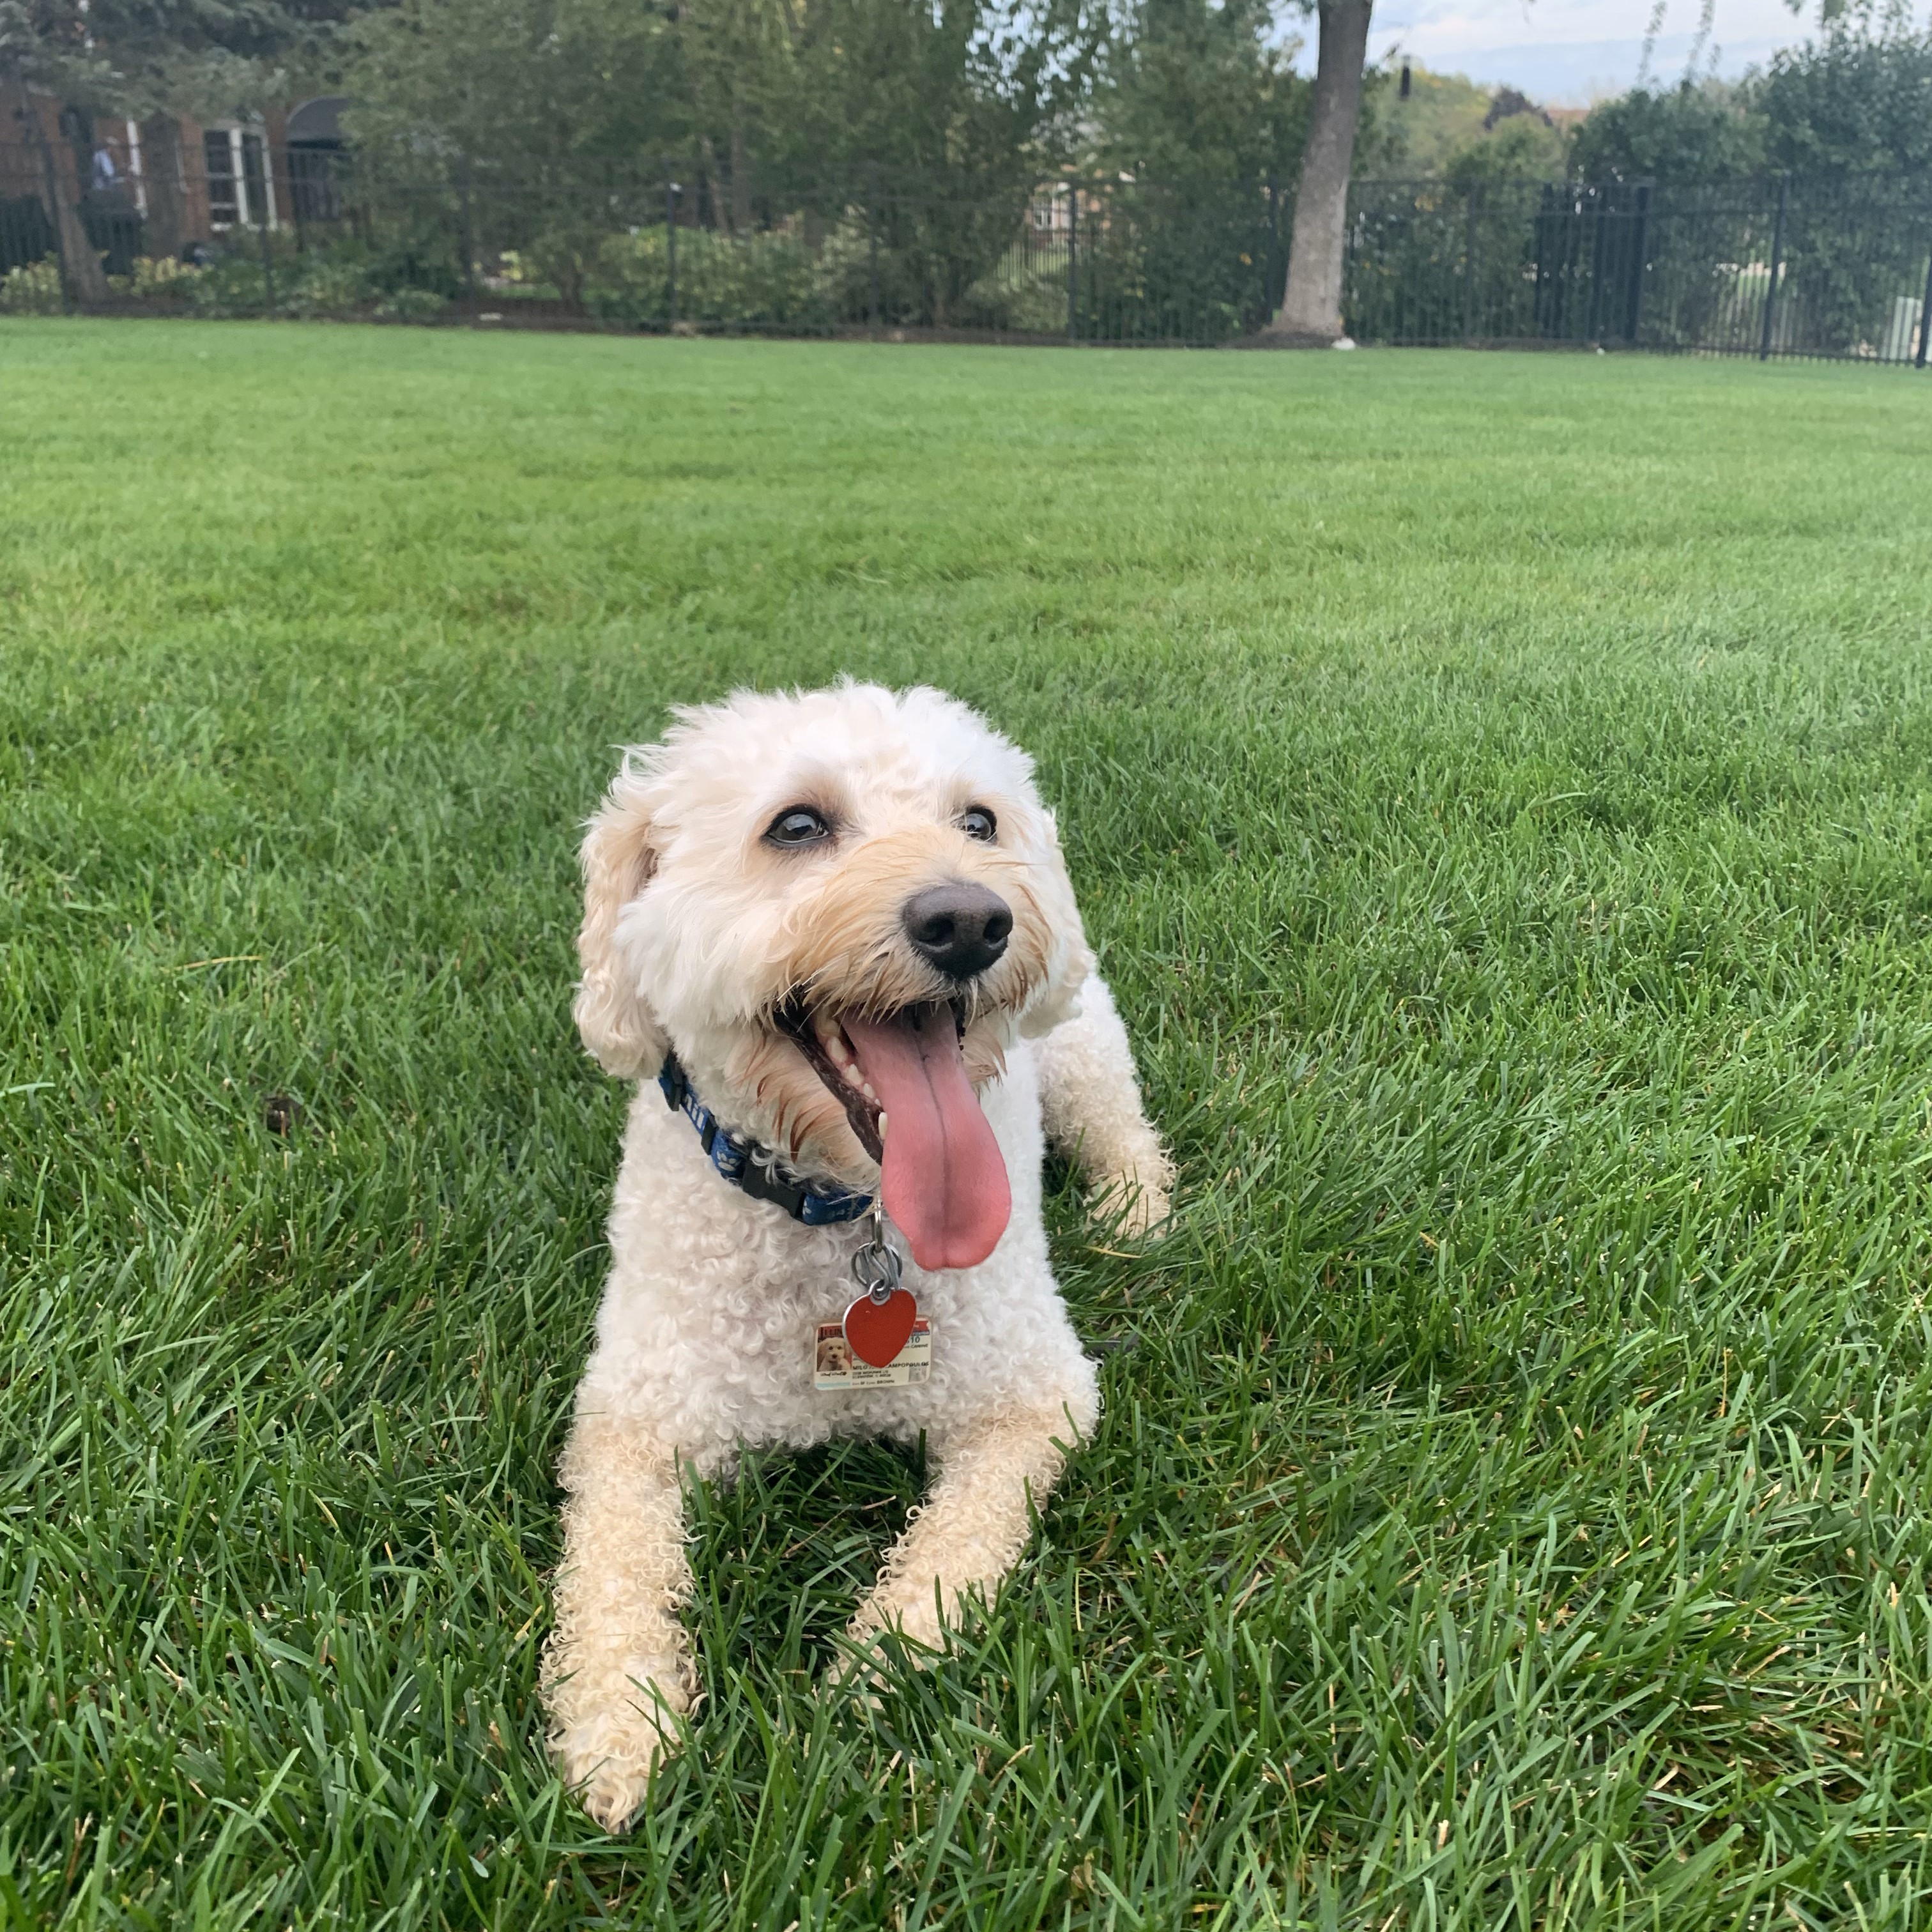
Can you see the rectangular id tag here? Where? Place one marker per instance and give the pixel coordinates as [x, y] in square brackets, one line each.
[835, 1366]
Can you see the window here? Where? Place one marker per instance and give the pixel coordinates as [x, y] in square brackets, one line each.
[254, 176]
[224, 190]
[238, 178]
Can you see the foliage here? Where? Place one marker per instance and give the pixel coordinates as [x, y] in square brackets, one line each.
[520, 81]
[1858, 97]
[771, 280]
[1520, 147]
[135, 56]
[339, 282]
[1445, 115]
[735, 90]
[32, 289]
[1495, 785]
[411, 304]
[1707, 131]
[161, 275]
[1200, 90]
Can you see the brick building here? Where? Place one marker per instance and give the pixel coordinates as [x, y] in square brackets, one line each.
[157, 187]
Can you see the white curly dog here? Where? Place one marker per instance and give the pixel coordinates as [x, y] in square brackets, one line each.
[835, 932]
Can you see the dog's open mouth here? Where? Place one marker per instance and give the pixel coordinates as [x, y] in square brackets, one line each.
[903, 1083]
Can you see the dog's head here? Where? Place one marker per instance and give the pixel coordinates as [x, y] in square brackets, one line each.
[837, 909]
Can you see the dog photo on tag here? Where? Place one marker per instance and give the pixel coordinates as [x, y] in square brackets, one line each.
[836, 1366]
[831, 938]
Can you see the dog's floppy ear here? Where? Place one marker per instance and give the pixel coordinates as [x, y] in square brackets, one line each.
[1068, 961]
[617, 1025]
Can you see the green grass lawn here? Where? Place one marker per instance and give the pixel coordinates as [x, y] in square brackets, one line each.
[1500, 789]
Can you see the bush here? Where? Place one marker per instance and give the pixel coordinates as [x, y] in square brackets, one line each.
[232, 285]
[35, 289]
[156, 278]
[411, 305]
[398, 283]
[327, 288]
[766, 279]
[1032, 302]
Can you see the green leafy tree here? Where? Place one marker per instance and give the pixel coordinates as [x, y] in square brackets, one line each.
[961, 89]
[1704, 131]
[523, 81]
[1858, 97]
[944, 118]
[1521, 146]
[1191, 90]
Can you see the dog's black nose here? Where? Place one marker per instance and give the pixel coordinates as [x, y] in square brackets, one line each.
[961, 928]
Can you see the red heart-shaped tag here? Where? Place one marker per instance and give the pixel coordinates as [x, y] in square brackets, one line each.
[877, 1330]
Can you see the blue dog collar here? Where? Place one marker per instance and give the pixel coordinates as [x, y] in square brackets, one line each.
[755, 1170]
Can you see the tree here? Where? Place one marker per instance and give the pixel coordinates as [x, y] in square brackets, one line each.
[1697, 131]
[963, 89]
[1859, 97]
[1200, 90]
[1311, 306]
[524, 81]
[1519, 146]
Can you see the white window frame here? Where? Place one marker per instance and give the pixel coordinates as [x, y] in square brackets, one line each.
[244, 216]
[136, 171]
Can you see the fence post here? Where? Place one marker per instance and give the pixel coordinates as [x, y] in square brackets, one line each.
[872, 234]
[1469, 266]
[1269, 304]
[261, 230]
[1633, 301]
[1072, 261]
[1538, 305]
[468, 228]
[1777, 262]
[1593, 327]
[671, 192]
[1925, 318]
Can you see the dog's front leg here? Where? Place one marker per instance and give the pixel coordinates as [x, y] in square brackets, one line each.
[618, 1665]
[1090, 1103]
[975, 1524]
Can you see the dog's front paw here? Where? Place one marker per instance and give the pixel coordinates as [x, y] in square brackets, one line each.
[608, 1759]
[1135, 1203]
[916, 1635]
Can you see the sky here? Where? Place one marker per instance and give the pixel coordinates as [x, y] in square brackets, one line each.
[1573, 52]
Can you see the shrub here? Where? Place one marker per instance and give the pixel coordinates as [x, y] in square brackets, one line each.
[398, 283]
[232, 285]
[411, 305]
[35, 289]
[328, 287]
[770, 279]
[156, 278]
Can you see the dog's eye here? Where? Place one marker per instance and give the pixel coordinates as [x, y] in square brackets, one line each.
[976, 822]
[797, 825]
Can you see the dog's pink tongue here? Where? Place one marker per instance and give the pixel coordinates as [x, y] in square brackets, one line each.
[944, 1183]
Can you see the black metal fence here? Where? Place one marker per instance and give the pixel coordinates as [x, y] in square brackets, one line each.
[1795, 266]
[1792, 266]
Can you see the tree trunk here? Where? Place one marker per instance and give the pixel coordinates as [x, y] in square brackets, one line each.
[741, 176]
[1311, 305]
[721, 214]
[166, 231]
[82, 278]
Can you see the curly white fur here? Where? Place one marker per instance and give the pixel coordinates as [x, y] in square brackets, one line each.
[692, 933]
